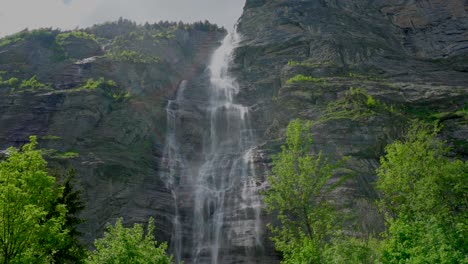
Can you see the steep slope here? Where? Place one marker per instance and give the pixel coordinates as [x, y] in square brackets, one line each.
[403, 59]
[98, 104]
[361, 70]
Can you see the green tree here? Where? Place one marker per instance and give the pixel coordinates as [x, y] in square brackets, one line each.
[351, 250]
[425, 196]
[297, 193]
[71, 249]
[129, 245]
[28, 233]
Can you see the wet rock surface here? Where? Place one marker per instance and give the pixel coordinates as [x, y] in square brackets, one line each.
[410, 57]
[118, 134]
[407, 55]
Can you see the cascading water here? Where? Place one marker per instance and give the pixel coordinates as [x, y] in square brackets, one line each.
[226, 170]
[173, 162]
[220, 188]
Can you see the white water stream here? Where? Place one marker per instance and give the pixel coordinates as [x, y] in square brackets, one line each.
[226, 225]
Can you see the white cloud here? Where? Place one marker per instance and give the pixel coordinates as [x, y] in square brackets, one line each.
[16, 15]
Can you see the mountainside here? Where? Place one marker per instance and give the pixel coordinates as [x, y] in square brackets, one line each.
[360, 70]
[100, 100]
[96, 99]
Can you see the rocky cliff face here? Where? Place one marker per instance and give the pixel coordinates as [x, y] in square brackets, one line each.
[112, 134]
[299, 59]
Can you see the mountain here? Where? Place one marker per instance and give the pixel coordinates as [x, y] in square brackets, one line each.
[96, 99]
[361, 71]
[131, 107]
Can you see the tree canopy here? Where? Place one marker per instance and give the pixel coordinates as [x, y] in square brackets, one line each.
[28, 232]
[425, 196]
[297, 193]
[129, 245]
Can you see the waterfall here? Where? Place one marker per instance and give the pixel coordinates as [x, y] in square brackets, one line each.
[217, 216]
[226, 169]
[173, 162]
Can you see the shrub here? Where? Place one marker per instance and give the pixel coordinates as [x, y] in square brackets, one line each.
[303, 78]
[129, 245]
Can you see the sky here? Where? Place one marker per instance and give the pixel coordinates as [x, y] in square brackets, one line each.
[16, 15]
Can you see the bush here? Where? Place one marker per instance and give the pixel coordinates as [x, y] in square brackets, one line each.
[425, 196]
[62, 38]
[303, 78]
[129, 245]
[131, 56]
[29, 208]
[32, 84]
[297, 193]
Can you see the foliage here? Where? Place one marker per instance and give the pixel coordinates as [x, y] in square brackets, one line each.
[51, 137]
[10, 40]
[356, 104]
[62, 38]
[364, 77]
[425, 195]
[28, 233]
[350, 250]
[92, 84]
[431, 115]
[131, 56]
[308, 64]
[297, 193]
[302, 63]
[10, 83]
[45, 36]
[129, 245]
[205, 26]
[66, 155]
[109, 87]
[32, 84]
[71, 249]
[303, 78]
[163, 29]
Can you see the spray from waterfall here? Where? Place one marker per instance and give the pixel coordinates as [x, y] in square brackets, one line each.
[225, 176]
[217, 215]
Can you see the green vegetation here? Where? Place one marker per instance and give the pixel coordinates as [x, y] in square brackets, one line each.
[51, 137]
[356, 104]
[358, 76]
[430, 115]
[39, 218]
[72, 251]
[10, 40]
[10, 83]
[32, 220]
[100, 83]
[66, 155]
[44, 35]
[424, 195]
[131, 56]
[109, 87]
[309, 64]
[303, 78]
[302, 63]
[62, 38]
[163, 35]
[30, 85]
[129, 245]
[298, 195]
